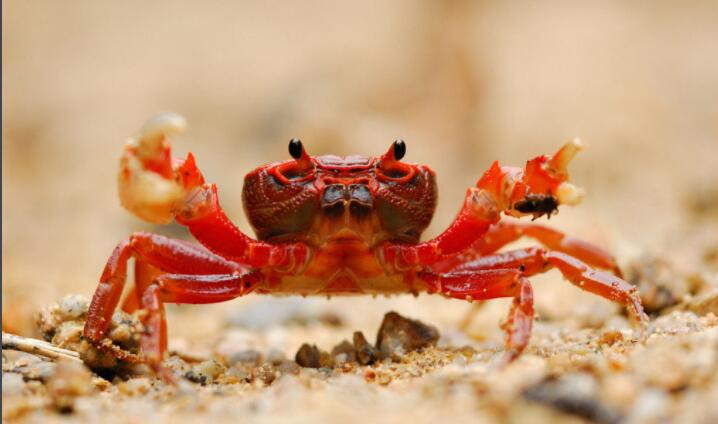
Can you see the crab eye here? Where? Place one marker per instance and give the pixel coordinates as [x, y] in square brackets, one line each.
[295, 148]
[399, 149]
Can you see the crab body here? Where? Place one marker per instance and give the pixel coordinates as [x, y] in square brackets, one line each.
[342, 209]
[328, 225]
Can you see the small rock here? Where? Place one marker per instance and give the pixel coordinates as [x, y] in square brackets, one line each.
[134, 386]
[71, 380]
[62, 325]
[176, 365]
[205, 372]
[266, 373]
[73, 307]
[308, 356]
[34, 369]
[399, 335]
[366, 354]
[346, 349]
[610, 337]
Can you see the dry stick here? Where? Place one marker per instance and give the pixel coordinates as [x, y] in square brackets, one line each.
[37, 347]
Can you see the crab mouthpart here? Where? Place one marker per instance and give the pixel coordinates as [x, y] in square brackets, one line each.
[559, 162]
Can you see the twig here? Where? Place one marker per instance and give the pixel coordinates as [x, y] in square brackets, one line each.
[37, 347]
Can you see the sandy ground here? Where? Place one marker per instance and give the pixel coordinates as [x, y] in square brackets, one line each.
[463, 84]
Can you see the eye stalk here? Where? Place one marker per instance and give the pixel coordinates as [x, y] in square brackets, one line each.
[300, 169]
[390, 166]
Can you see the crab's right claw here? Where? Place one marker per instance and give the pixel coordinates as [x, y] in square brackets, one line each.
[542, 186]
[566, 193]
[149, 186]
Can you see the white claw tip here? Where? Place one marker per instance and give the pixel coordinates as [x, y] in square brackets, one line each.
[163, 124]
[569, 194]
[577, 143]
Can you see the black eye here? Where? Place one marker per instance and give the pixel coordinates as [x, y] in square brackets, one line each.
[399, 149]
[295, 148]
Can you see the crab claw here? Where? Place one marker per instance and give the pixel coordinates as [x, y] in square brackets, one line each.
[542, 186]
[569, 194]
[148, 185]
[559, 162]
[566, 193]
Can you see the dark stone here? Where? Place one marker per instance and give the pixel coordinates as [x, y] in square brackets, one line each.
[366, 354]
[399, 335]
[308, 356]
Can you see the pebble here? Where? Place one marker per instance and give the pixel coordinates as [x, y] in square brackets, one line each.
[70, 381]
[399, 335]
[74, 306]
[308, 356]
[205, 372]
[366, 354]
[266, 374]
[135, 386]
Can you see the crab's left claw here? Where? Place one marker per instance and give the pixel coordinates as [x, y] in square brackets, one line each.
[543, 184]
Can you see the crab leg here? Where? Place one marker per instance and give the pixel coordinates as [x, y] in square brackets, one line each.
[158, 189]
[506, 232]
[186, 288]
[165, 254]
[145, 274]
[491, 284]
[536, 190]
[535, 260]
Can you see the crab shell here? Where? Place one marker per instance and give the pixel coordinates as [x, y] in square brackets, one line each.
[342, 208]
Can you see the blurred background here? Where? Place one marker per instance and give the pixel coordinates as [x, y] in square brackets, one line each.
[463, 82]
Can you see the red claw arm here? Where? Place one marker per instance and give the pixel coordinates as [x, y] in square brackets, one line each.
[535, 190]
[208, 223]
[158, 189]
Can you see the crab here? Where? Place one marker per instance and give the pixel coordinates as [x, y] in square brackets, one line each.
[330, 226]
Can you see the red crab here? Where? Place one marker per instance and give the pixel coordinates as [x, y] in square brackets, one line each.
[328, 225]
